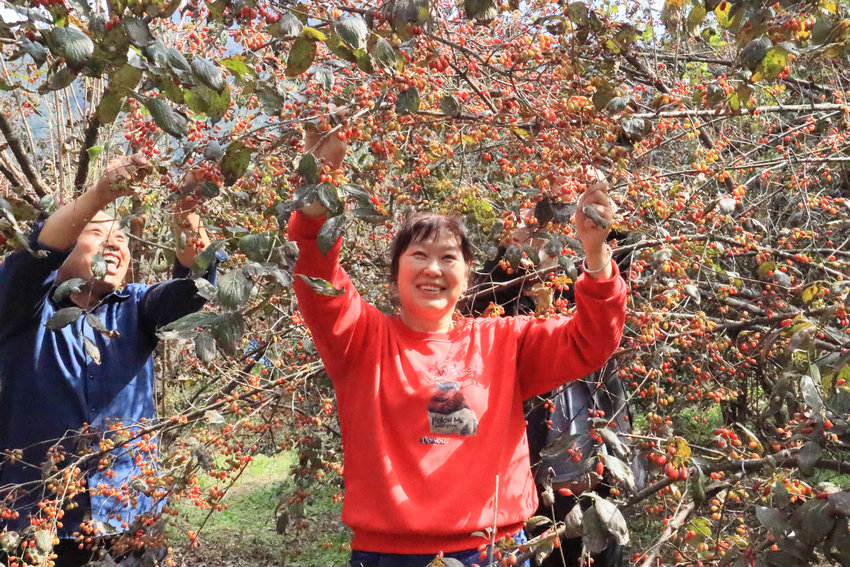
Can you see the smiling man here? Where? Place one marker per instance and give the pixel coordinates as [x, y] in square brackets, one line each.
[63, 388]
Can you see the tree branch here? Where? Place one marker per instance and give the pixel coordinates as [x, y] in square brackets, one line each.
[89, 140]
[20, 155]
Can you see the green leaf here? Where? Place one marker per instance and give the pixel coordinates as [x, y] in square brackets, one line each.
[288, 27]
[213, 151]
[312, 34]
[256, 247]
[63, 317]
[809, 455]
[208, 74]
[235, 162]
[811, 394]
[754, 52]
[58, 80]
[204, 288]
[483, 10]
[621, 471]
[773, 520]
[408, 101]
[325, 78]
[93, 152]
[98, 266]
[177, 61]
[166, 117]
[204, 260]
[91, 350]
[300, 56]
[205, 347]
[138, 32]
[271, 100]
[322, 287]
[329, 197]
[612, 519]
[331, 232]
[840, 501]
[109, 107]
[66, 288]
[9, 542]
[227, 331]
[98, 325]
[308, 168]
[617, 104]
[386, 54]
[72, 44]
[44, 541]
[696, 15]
[237, 65]
[234, 289]
[773, 64]
[450, 105]
[595, 535]
[186, 327]
[352, 30]
[34, 49]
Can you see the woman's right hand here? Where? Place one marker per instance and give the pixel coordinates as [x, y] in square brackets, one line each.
[314, 210]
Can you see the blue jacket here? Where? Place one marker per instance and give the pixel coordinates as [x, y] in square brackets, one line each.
[53, 392]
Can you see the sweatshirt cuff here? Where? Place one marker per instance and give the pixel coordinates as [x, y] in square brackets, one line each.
[302, 227]
[601, 288]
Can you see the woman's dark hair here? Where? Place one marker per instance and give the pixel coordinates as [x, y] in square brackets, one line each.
[425, 226]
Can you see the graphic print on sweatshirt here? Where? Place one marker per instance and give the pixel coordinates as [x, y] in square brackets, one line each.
[448, 412]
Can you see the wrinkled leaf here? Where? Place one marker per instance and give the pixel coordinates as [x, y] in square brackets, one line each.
[330, 232]
[9, 542]
[773, 520]
[234, 288]
[191, 321]
[840, 501]
[98, 325]
[256, 247]
[811, 394]
[408, 101]
[482, 10]
[321, 286]
[612, 519]
[66, 288]
[208, 74]
[288, 27]
[325, 78]
[205, 346]
[63, 317]
[44, 541]
[810, 454]
[98, 266]
[138, 32]
[595, 535]
[300, 56]
[450, 105]
[385, 54]
[227, 331]
[308, 168]
[72, 44]
[754, 52]
[235, 162]
[329, 198]
[91, 350]
[352, 30]
[166, 117]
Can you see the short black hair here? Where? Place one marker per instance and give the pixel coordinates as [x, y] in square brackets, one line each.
[425, 226]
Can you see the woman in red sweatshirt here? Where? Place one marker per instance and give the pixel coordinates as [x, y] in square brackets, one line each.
[430, 406]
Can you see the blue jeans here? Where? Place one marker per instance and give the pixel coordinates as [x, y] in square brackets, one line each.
[467, 557]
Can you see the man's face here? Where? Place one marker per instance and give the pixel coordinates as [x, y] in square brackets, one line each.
[102, 235]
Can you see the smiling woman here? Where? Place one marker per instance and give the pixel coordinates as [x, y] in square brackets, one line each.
[431, 405]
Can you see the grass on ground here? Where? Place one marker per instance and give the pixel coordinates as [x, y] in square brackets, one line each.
[245, 534]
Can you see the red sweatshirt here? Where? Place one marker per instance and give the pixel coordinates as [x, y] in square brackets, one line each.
[430, 420]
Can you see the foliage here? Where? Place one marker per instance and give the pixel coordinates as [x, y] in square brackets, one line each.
[721, 125]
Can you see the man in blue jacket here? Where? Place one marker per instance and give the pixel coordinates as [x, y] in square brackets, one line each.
[83, 382]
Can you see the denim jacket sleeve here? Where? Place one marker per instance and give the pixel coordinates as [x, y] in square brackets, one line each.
[25, 280]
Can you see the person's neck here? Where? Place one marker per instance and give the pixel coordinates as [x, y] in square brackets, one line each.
[442, 325]
[86, 298]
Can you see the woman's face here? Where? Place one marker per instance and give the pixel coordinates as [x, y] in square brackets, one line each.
[432, 275]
